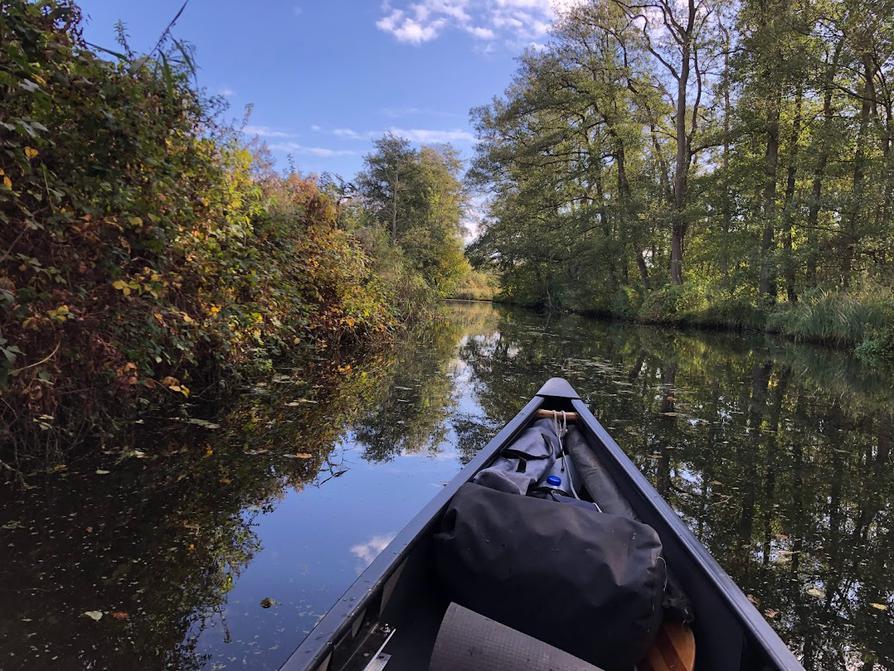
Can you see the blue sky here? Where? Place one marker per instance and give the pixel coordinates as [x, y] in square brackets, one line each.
[327, 76]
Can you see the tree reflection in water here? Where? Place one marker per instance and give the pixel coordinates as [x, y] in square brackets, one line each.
[777, 455]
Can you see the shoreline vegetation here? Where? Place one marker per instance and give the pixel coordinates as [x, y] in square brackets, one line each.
[858, 325]
[718, 165]
[151, 259]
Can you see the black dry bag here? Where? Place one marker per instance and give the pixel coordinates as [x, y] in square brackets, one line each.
[586, 582]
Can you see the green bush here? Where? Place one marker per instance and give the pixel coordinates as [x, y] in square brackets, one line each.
[738, 313]
[141, 257]
[861, 318]
[665, 304]
[476, 285]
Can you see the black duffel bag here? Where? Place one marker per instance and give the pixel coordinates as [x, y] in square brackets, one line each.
[586, 582]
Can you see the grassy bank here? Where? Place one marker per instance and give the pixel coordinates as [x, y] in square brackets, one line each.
[860, 320]
[146, 255]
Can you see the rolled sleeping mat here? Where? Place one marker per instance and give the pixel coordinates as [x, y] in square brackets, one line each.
[594, 476]
[604, 492]
[468, 641]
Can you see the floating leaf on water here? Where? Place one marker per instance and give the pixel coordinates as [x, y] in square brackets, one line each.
[100, 471]
[771, 614]
[267, 602]
[816, 592]
[672, 414]
[300, 455]
[879, 606]
[95, 615]
[120, 615]
[14, 524]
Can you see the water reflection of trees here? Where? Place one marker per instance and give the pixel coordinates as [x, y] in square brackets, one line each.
[163, 536]
[778, 456]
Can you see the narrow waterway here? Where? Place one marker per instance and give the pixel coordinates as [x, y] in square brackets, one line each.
[217, 544]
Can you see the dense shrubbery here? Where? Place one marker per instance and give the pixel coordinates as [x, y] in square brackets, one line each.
[476, 285]
[143, 254]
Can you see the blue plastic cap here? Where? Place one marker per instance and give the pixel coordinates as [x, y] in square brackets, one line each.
[554, 481]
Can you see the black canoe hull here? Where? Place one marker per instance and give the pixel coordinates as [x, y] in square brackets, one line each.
[729, 631]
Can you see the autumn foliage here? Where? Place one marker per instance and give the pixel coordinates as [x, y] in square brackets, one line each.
[142, 255]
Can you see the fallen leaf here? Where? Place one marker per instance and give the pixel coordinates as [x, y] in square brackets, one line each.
[120, 615]
[879, 606]
[816, 592]
[95, 615]
[771, 614]
[99, 471]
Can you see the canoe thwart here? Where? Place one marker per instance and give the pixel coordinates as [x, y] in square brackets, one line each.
[557, 414]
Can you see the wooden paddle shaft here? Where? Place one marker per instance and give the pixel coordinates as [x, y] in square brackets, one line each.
[557, 414]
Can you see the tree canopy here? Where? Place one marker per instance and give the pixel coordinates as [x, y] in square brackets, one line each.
[417, 197]
[700, 151]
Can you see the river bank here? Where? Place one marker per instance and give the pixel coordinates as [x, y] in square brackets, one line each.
[776, 454]
[860, 322]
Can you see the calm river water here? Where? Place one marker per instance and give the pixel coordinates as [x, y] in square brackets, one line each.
[218, 544]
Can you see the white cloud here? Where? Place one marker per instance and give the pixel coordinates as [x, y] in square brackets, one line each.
[414, 27]
[481, 33]
[420, 135]
[350, 134]
[399, 112]
[266, 131]
[428, 136]
[514, 21]
[226, 92]
[372, 548]
[320, 152]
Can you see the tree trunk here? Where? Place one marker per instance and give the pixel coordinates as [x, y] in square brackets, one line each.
[819, 171]
[767, 283]
[788, 262]
[681, 169]
[625, 208]
[727, 195]
[850, 235]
